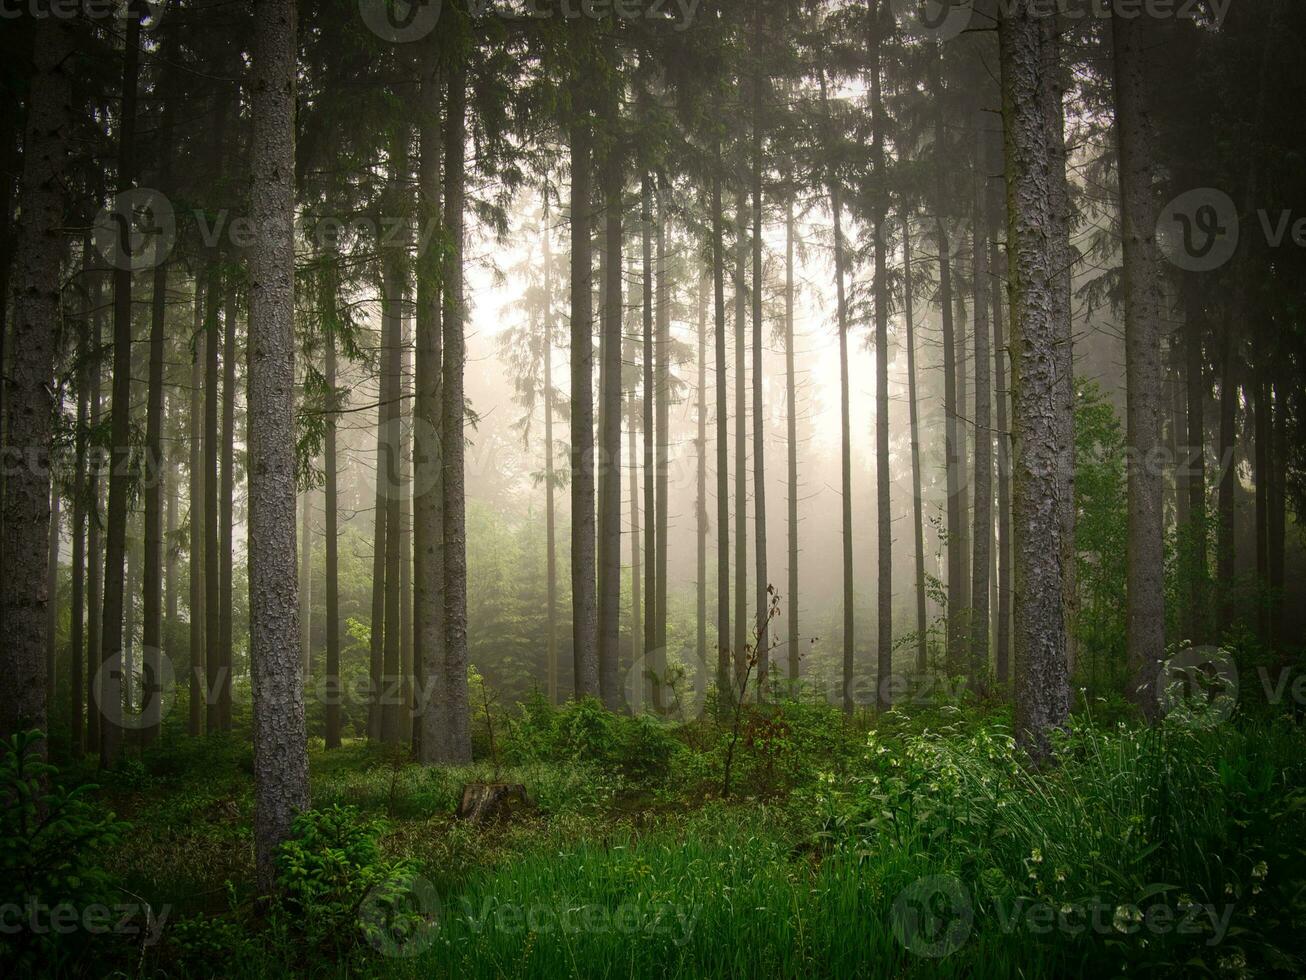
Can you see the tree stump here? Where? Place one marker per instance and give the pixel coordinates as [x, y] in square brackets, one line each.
[485, 803]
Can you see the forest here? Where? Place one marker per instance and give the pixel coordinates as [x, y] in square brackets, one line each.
[652, 488]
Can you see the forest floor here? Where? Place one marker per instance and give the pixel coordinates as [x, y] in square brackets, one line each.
[916, 846]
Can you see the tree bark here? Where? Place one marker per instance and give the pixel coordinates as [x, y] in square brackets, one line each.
[392, 260]
[584, 623]
[550, 520]
[111, 689]
[884, 518]
[280, 752]
[761, 577]
[1037, 236]
[452, 410]
[331, 506]
[918, 524]
[741, 440]
[650, 438]
[1002, 654]
[1145, 578]
[1194, 463]
[700, 503]
[226, 519]
[198, 523]
[791, 403]
[661, 396]
[428, 518]
[722, 422]
[610, 437]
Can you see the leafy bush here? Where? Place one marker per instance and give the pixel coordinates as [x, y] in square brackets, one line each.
[52, 843]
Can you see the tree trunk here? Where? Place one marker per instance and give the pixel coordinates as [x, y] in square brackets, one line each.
[550, 546]
[983, 513]
[1224, 532]
[452, 409]
[1260, 407]
[1145, 579]
[226, 524]
[1194, 464]
[280, 752]
[610, 441]
[52, 593]
[1002, 654]
[650, 438]
[428, 518]
[661, 396]
[77, 614]
[152, 609]
[700, 502]
[198, 522]
[1278, 514]
[1037, 236]
[584, 623]
[918, 524]
[845, 430]
[392, 721]
[407, 637]
[213, 666]
[119, 489]
[791, 434]
[884, 518]
[376, 638]
[741, 440]
[636, 693]
[722, 421]
[762, 579]
[331, 505]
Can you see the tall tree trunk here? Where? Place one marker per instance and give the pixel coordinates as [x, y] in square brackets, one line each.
[331, 506]
[762, 579]
[81, 490]
[845, 430]
[120, 432]
[956, 641]
[226, 522]
[1145, 578]
[213, 665]
[649, 420]
[280, 752]
[918, 523]
[28, 405]
[1194, 459]
[584, 622]
[884, 518]
[610, 439]
[380, 522]
[636, 694]
[407, 636]
[155, 469]
[722, 421]
[1260, 408]
[662, 396]
[52, 592]
[550, 545]
[305, 587]
[392, 723]
[198, 522]
[791, 438]
[452, 409]
[700, 502]
[983, 514]
[741, 439]
[1278, 513]
[1037, 235]
[1224, 531]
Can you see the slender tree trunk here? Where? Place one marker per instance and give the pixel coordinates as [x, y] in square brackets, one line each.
[610, 441]
[1278, 514]
[918, 523]
[722, 422]
[392, 722]
[1145, 579]
[636, 694]
[1194, 460]
[453, 408]
[280, 753]
[551, 546]
[428, 477]
[380, 521]
[331, 505]
[1037, 236]
[213, 663]
[791, 402]
[305, 587]
[226, 520]
[1224, 536]
[1260, 407]
[152, 609]
[407, 636]
[649, 425]
[584, 623]
[662, 396]
[52, 602]
[700, 503]
[983, 513]
[763, 582]
[77, 614]
[198, 522]
[741, 438]
[884, 517]
[116, 529]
